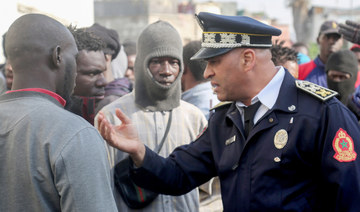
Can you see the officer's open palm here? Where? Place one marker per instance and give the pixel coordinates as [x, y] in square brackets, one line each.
[123, 137]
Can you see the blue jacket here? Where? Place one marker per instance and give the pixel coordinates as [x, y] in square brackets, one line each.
[313, 71]
[315, 169]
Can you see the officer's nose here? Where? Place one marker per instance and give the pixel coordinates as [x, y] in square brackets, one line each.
[208, 73]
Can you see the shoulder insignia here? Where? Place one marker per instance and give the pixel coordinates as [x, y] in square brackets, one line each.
[315, 90]
[344, 147]
[220, 104]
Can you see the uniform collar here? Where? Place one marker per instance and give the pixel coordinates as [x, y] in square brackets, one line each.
[41, 90]
[269, 94]
[287, 100]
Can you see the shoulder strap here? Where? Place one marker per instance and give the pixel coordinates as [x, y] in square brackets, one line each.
[315, 90]
[165, 134]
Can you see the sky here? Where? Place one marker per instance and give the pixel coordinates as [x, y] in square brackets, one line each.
[277, 8]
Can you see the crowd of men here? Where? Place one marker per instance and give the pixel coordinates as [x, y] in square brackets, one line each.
[234, 122]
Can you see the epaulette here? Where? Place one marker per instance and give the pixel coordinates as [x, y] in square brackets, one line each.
[315, 90]
[220, 104]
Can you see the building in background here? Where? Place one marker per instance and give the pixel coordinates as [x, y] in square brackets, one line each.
[79, 13]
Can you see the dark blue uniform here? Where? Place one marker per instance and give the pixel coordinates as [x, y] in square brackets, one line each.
[314, 168]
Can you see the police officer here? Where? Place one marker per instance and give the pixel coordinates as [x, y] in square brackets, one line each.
[300, 154]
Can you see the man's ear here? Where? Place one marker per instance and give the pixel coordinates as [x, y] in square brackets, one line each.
[56, 56]
[248, 59]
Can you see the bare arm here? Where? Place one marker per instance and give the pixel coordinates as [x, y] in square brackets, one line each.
[123, 137]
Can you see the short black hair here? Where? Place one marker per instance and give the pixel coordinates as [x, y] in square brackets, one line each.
[281, 54]
[86, 40]
[197, 67]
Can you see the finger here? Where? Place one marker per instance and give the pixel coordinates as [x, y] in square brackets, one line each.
[346, 33]
[353, 24]
[102, 129]
[346, 27]
[123, 118]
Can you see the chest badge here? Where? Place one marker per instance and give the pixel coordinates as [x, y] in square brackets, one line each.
[230, 140]
[280, 139]
[344, 147]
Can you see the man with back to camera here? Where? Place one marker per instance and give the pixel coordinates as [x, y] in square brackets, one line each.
[51, 159]
[280, 144]
[155, 104]
[330, 41]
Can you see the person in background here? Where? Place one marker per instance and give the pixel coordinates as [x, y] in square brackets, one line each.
[6, 75]
[196, 89]
[51, 159]
[286, 57]
[356, 50]
[155, 104]
[330, 41]
[280, 144]
[112, 48]
[3, 87]
[302, 52]
[90, 79]
[130, 50]
[350, 31]
[341, 71]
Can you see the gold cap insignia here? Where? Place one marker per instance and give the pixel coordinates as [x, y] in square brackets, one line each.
[315, 90]
[334, 25]
[280, 139]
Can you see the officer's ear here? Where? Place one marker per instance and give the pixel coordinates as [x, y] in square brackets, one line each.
[248, 59]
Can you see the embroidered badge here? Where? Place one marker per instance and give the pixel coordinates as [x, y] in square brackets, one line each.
[280, 139]
[228, 38]
[344, 147]
[315, 90]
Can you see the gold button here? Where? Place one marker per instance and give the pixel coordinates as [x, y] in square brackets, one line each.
[271, 120]
[277, 159]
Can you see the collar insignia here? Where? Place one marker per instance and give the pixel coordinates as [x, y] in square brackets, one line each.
[230, 140]
[344, 147]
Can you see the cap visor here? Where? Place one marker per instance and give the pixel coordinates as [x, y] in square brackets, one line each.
[206, 53]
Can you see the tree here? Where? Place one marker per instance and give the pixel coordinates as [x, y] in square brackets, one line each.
[302, 19]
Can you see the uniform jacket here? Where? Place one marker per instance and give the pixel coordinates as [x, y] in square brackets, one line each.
[313, 169]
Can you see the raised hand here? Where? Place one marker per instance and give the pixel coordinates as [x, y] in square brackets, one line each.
[350, 31]
[123, 137]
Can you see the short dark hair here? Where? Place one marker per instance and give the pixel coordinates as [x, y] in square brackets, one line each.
[281, 54]
[86, 40]
[197, 67]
